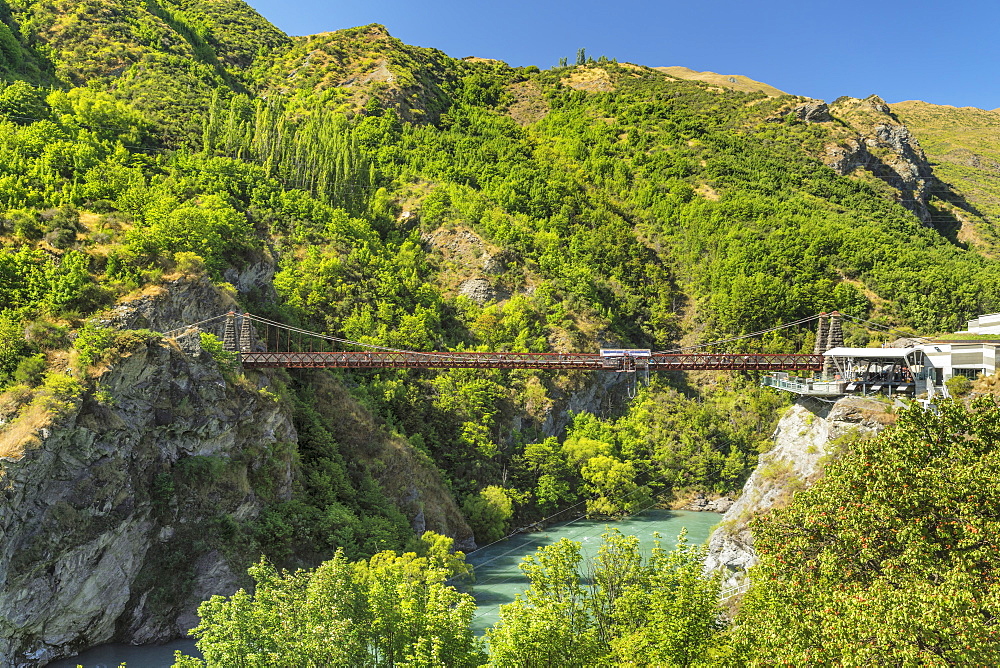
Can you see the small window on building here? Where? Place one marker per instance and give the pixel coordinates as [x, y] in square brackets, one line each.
[968, 373]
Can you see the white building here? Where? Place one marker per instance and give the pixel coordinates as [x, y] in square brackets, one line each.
[919, 370]
[985, 324]
[956, 357]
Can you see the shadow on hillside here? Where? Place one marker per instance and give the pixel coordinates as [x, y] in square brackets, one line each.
[948, 224]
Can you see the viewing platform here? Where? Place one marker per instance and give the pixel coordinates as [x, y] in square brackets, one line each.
[805, 386]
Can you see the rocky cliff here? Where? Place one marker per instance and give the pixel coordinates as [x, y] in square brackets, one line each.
[868, 137]
[114, 527]
[807, 434]
[135, 504]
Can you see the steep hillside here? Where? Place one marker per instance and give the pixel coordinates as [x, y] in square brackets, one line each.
[964, 144]
[164, 57]
[19, 59]
[347, 69]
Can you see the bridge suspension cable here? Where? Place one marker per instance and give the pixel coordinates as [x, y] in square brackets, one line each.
[261, 342]
[278, 348]
[326, 337]
[795, 323]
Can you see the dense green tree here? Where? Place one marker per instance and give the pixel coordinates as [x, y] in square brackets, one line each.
[657, 610]
[890, 558]
[390, 610]
[489, 513]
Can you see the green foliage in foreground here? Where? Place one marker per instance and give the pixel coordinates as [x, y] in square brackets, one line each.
[391, 610]
[660, 611]
[396, 610]
[891, 558]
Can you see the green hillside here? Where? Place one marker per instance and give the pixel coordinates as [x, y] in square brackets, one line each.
[163, 57]
[964, 143]
[589, 205]
[627, 207]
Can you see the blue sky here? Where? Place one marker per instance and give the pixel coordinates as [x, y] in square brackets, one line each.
[944, 53]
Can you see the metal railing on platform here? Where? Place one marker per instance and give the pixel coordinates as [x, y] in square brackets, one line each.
[809, 386]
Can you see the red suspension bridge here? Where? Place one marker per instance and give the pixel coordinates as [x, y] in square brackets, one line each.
[262, 343]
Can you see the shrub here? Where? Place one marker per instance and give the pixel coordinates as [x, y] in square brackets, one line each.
[62, 386]
[25, 225]
[211, 344]
[61, 238]
[46, 335]
[189, 263]
[30, 370]
[90, 298]
[93, 342]
[958, 386]
[488, 513]
[97, 344]
[13, 399]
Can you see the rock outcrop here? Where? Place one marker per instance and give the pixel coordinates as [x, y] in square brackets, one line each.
[866, 135]
[805, 436]
[813, 112]
[179, 302]
[479, 290]
[878, 143]
[112, 527]
[702, 504]
[127, 511]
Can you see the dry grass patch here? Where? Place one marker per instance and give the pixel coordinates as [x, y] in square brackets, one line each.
[56, 398]
[708, 192]
[590, 79]
[722, 81]
[529, 104]
[22, 433]
[148, 291]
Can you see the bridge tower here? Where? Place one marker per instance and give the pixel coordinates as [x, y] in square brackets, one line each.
[819, 347]
[229, 340]
[834, 339]
[246, 336]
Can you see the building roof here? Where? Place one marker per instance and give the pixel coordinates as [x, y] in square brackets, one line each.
[870, 353]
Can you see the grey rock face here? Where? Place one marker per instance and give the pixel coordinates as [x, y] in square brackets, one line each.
[804, 436]
[89, 518]
[257, 276]
[598, 391]
[703, 505]
[180, 302]
[886, 148]
[814, 112]
[108, 527]
[478, 290]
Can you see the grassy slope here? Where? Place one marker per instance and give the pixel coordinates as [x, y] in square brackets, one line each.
[729, 81]
[964, 145]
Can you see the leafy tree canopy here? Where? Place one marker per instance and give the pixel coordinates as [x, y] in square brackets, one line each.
[891, 558]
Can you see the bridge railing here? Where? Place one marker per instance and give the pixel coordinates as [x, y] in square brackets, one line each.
[265, 343]
[508, 360]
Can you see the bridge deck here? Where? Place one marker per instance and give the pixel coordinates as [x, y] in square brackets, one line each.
[471, 360]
